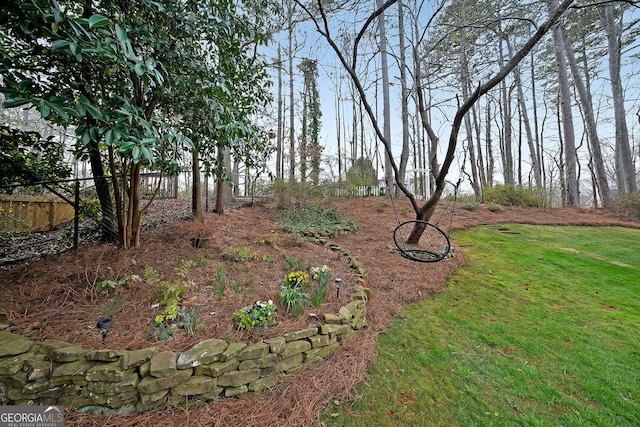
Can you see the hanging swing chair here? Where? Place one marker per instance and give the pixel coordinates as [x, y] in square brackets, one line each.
[432, 245]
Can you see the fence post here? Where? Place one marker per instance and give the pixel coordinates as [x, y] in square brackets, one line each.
[76, 217]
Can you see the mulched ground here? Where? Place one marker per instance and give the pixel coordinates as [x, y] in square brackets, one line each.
[51, 298]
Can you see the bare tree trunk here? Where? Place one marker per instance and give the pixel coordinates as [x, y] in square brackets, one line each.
[469, 132]
[592, 131]
[292, 142]
[280, 121]
[304, 130]
[625, 169]
[386, 104]
[404, 101]
[488, 145]
[230, 184]
[339, 131]
[535, 165]
[466, 85]
[538, 149]
[479, 155]
[507, 152]
[571, 181]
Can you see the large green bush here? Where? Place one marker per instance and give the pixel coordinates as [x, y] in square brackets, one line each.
[514, 195]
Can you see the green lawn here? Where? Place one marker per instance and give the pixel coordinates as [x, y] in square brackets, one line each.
[540, 328]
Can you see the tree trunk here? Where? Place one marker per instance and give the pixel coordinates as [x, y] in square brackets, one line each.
[465, 81]
[279, 137]
[592, 131]
[535, 165]
[231, 183]
[479, 154]
[109, 233]
[404, 99]
[134, 207]
[292, 142]
[386, 105]
[507, 152]
[196, 188]
[339, 131]
[219, 208]
[625, 171]
[571, 181]
[304, 131]
[488, 145]
[538, 150]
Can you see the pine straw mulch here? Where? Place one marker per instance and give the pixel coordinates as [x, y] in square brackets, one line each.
[49, 298]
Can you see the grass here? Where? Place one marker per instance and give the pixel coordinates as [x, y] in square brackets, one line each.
[540, 328]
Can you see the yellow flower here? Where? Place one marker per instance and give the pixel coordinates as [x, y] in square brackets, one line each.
[296, 278]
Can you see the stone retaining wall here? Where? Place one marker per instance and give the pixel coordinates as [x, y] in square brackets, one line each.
[112, 381]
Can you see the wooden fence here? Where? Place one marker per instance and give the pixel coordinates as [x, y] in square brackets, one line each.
[22, 212]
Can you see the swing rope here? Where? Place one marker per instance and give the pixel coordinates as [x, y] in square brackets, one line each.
[453, 208]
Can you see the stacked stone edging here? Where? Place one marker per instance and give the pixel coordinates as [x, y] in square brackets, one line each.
[116, 381]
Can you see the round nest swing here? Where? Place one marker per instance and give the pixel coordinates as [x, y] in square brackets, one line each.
[432, 246]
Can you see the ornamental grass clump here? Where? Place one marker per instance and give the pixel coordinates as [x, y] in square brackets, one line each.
[262, 314]
[321, 275]
[292, 292]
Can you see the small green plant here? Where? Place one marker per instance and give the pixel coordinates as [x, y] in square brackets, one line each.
[170, 292]
[107, 285]
[294, 263]
[221, 279]
[292, 292]
[188, 319]
[494, 207]
[380, 207]
[201, 262]
[294, 299]
[114, 303]
[293, 240]
[233, 254]
[65, 241]
[321, 275]
[262, 314]
[268, 259]
[262, 241]
[158, 331]
[470, 206]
